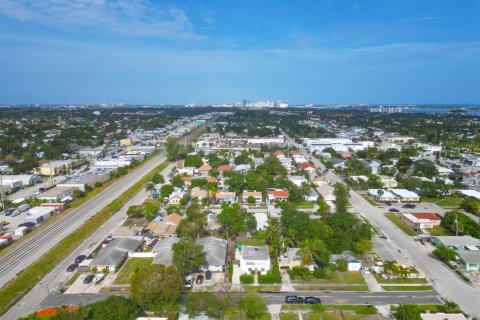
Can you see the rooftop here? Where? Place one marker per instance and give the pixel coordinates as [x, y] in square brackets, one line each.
[460, 241]
[255, 253]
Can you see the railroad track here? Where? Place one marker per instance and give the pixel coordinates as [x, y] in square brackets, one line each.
[70, 221]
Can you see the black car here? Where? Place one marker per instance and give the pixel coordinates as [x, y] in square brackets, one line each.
[208, 275]
[393, 210]
[388, 203]
[312, 300]
[42, 189]
[409, 206]
[29, 225]
[9, 212]
[276, 206]
[72, 267]
[417, 230]
[88, 279]
[207, 211]
[293, 299]
[80, 258]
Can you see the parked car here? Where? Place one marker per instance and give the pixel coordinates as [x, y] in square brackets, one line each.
[80, 258]
[9, 211]
[393, 210]
[312, 300]
[72, 267]
[276, 206]
[293, 299]
[41, 190]
[23, 208]
[418, 230]
[15, 213]
[188, 282]
[388, 203]
[366, 270]
[88, 279]
[199, 279]
[208, 275]
[207, 211]
[98, 277]
[409, 206]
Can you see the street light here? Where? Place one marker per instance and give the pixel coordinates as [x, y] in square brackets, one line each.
[48, 293]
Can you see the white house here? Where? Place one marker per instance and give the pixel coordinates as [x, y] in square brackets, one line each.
[297, 180]
[382, 195]
[255, 259]
[354, 265]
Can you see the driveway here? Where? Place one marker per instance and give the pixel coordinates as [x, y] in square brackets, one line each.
[286, 283]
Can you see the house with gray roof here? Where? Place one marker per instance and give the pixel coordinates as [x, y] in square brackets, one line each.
[113, 255]
[215, 252]
[163, 251]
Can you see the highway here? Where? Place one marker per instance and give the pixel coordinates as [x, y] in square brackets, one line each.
[443, 279]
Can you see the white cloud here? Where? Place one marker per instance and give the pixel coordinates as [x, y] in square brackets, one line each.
[130, 17]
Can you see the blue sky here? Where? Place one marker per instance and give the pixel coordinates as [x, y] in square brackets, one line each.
[155, 52]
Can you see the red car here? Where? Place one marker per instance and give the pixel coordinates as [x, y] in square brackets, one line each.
[199, 279]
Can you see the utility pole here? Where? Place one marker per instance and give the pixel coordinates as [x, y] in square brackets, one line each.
[456, 225]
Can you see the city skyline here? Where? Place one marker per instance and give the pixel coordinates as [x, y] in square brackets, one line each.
[326, 52]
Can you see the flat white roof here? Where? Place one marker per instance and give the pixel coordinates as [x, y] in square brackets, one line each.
[414, 219]
[443, 316]
[404, 193]
[386, 194]
[470, 193]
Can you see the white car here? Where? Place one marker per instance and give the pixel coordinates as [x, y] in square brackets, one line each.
[366, 270]
[188, 281]
[98, 277]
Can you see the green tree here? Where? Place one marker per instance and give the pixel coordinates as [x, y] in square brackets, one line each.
[165, 190]
[135, 211]
[363, 246]
[232, 218]
[187, 256]
[253, 305]
[193, 161]
[113, 308]
[172, 147]
[444, 253]
[407, 312]
[341, 197]
[156, 283]
[342, 265]
[158, 178]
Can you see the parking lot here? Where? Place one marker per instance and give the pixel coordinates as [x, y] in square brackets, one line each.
[13, 222]
[79, 287]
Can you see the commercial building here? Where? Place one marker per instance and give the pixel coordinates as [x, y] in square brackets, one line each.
[58, 194]
[382, 195]
[272, 141]
[89, 178]
[25, 179]
[54, 168]
[421, 220]
[406, 195]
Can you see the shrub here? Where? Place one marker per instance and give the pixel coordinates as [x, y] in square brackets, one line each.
[319, 273]
[230, 272]
[246, 279]
[272, 276]
[342, 265]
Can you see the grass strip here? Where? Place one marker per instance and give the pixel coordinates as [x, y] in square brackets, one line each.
[400, 224]
[358, 309]
[407, 288]
[382, 280]
[29, 277]
[130, 268]
[329, 288]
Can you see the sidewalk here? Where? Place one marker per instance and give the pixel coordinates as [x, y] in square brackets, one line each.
[286, 283]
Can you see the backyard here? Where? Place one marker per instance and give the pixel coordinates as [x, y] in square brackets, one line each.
[130, 268]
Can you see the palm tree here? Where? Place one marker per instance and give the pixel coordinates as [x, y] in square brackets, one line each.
[272, 236]
[388, 267]
[288, 241]
[307, 250]
[150, 187]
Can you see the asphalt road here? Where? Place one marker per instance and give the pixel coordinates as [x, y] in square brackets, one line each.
[443, 279]
[335, 298]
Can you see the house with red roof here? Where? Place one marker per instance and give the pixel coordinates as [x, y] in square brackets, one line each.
[224, 167]
[421, 220]
[296, 154]
[277, 195]
[307, 167]
[279, 154]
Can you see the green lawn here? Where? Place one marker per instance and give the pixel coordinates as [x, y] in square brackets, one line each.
[353, 277]
[73, 278]
[379, 279]
[440, 231]
[329, 288]
[305, 204]
[407, 288]
[130, 268]
[272, 288]
[449, 202]
[288, 316]
[373, 203]
[400, 224]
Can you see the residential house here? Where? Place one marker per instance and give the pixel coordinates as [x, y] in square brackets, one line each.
[293, 258]
[165, 228]
[338, 163]
[215, 253]
[307, 167]
[255, 194]
[187, 170]
[457, 243]
[326, 192]
[319, 181]
[297, 180]
[312, 196]
[205, 169]
[228, 197]
[255, 258]
[470, 193]
[163, 251]
[469, 259]
[277, 195]
[175, 197]
[198, 193]
[279, 154]
[242, 168]
[374, 165]
[262, 220]
[443, 171]
[224, 167]
[114, 253]
[388, 182]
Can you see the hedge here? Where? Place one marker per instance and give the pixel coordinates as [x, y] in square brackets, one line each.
[246, 279]
[272, 276]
